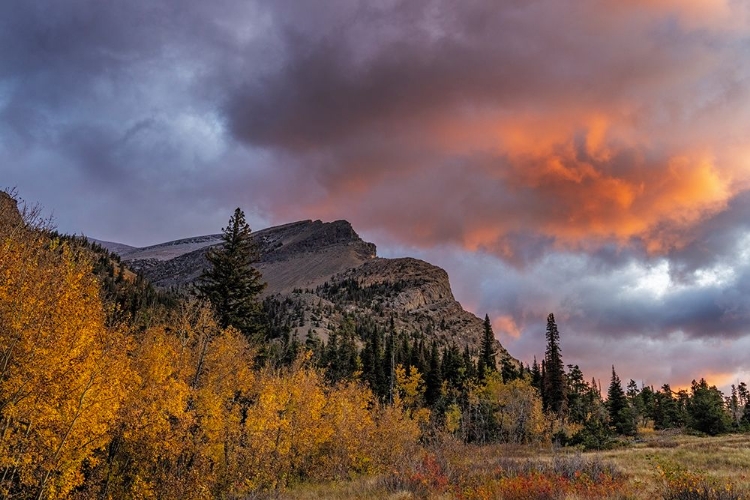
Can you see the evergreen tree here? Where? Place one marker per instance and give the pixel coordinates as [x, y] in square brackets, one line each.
[451, 365]
[745, 420]
[553, 394]
[648, 402]
[434, 379]
[666, 409]
[231, 284]
[635, 401]
[468, 362]
[536, 375]
[706, 409]
[509, 372]
[579, 402]
[487, 351]
[621, 416]
[389, 365]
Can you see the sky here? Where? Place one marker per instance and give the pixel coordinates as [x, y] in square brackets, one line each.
[588, 158]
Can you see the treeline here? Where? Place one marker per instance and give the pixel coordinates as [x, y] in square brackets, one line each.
[95, 402]
[459, 390]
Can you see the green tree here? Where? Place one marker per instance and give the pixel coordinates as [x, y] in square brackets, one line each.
[434, 378]
[636, 402]
[621, 416]
[536, 375]
[487, 350]
[578, 394]
[232, 285]
[706, 409]
[553, 385]
[666, 412]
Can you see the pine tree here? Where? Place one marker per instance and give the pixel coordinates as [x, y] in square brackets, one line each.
[487, 351]
[578, 394]
[536, 375]
[553, 394]
[621, 415]
[509, 372]
[231, 284]
[666, 410]
[468, 362]
[434, 378]
[706, 409]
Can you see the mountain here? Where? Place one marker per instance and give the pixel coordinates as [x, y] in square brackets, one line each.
[113, 247]
[322, 274]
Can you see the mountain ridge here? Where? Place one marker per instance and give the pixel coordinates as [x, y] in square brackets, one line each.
[304, 261]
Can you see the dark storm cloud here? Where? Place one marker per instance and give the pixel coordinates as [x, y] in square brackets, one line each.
[553, 112]
[108, 110]
[579, 157]
[715, 240]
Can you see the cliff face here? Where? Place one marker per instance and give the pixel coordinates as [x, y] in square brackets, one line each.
[324, 273]
[414, 294]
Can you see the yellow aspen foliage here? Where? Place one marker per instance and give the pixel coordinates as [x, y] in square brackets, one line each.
[394, 438]
[410, 389]
[517, 409]
[409, 386]
[299, 428]
[285, 428]
[221, 398]
[172, 411]
[153, 421]
[348, 412]
[453, 417]
[181, 424]
[58, 397]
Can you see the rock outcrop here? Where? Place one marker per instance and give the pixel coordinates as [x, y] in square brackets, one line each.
[412, 293]
[9, 213]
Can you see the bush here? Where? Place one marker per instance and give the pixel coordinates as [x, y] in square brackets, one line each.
[595, 435]
[681, 484]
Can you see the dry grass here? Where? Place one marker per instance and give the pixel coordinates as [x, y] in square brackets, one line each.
[722, 459]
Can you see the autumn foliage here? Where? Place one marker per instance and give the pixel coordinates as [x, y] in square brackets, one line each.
[57, 395]
[173, 410]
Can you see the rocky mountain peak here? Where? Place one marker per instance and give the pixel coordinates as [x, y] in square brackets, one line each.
[289, 240]
[321, 273]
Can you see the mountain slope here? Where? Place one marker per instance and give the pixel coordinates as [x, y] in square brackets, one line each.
[297, 255]
[321, 274]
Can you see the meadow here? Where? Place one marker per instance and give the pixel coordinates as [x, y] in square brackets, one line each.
[666, 465]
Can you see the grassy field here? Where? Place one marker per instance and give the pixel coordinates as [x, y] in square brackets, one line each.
[665, 465]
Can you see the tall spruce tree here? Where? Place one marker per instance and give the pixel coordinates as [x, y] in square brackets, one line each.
[487, 350]
[621, 416]
[232, 285]
[553, 383]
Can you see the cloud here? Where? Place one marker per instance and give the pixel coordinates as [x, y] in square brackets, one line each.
[575, 124]
[579, 157]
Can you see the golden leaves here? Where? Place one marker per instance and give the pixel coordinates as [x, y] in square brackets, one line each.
[57, 401]
[174, 411]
